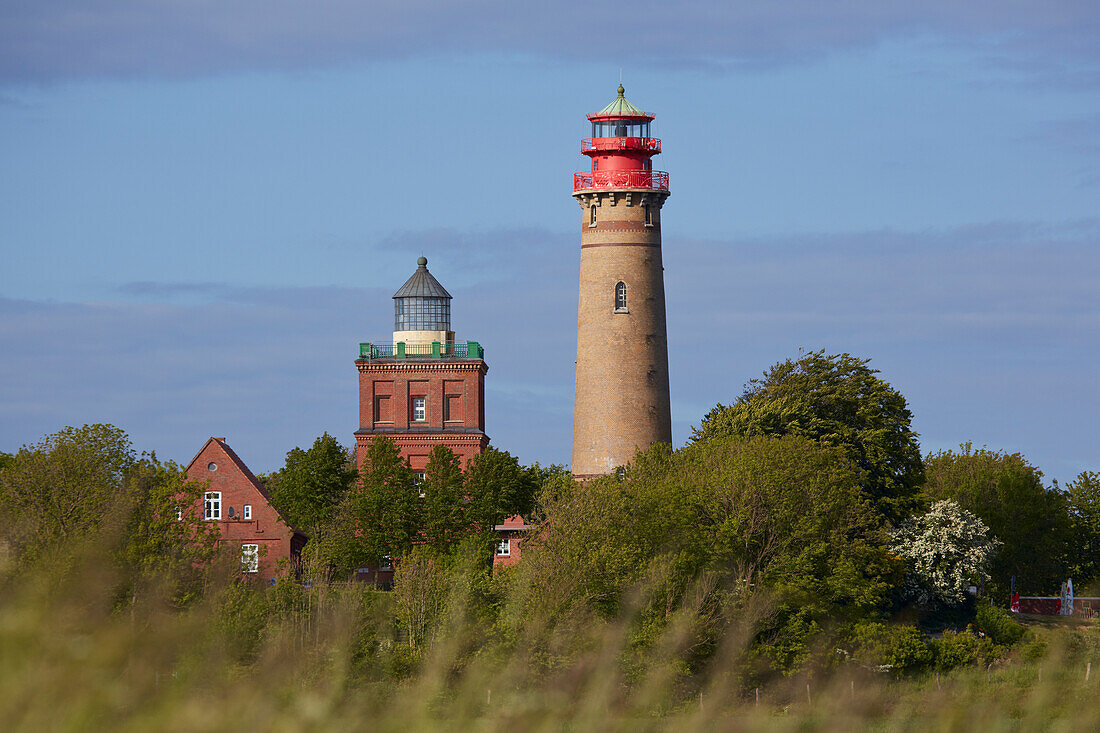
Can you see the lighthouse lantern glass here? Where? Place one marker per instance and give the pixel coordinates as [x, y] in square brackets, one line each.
[620, 128]
[422, 314]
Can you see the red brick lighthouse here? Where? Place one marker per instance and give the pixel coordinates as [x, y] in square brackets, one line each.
[621, 401]
[422, 388]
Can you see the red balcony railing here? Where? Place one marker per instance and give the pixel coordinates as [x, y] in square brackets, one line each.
[644, 144]
[657, 180]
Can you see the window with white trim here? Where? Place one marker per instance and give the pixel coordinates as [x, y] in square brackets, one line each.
[213, 505]
[248, 511]
[620, 297]
[418, 480]
[648, 215]
[250, 558]
[592, 216]
[420, 411]
[504, 547]
[179, 514]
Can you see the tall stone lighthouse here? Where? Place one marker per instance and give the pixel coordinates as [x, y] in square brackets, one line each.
[621, 400]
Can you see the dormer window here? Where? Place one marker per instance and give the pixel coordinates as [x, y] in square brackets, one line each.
[620, 297]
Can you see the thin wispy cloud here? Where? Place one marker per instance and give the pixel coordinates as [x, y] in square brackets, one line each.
[65, 39]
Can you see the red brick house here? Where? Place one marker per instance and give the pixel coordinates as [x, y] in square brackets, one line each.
[239, 503]
[510, 536]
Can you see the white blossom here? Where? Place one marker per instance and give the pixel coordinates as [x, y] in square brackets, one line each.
[946, 550]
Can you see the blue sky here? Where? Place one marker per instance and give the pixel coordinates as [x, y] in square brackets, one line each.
[206, 206]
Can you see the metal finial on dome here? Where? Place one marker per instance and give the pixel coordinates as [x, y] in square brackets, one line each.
[622, 91]
[422, 261]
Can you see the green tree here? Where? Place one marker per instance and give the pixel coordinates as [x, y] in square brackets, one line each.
[63, 486]
[420, 594]
[946, 550]
[165, 540]
[444, 505]
[497, 487]
[382, 516]
[313, 482]
[839, 401]
[1007, 493]
[1083, 494]
[783, 516]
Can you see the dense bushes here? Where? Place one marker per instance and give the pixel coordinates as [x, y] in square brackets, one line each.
[889, 647]
[998, 624]
[773, 528]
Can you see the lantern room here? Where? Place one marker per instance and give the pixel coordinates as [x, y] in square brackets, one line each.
[422, 309]
[621, 149]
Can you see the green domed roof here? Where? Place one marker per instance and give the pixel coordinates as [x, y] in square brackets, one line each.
[620, 107]
[422, 284]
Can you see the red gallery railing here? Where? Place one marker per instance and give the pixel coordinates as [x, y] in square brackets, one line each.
[657, 180]
[647, 144]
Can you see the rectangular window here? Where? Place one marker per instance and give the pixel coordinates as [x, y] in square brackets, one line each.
[213, 504]
[592, 216]
[419, 411]
[248, 511]
[179, 514]
[250, 558]
[504, 547]
[648, 216]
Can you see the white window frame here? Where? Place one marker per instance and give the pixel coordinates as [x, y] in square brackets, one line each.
[250, 558]
[419, 409]
[648, 215]
[179, 513]
[248, 511]
[212, 506]
[592, 216]
[504, 547]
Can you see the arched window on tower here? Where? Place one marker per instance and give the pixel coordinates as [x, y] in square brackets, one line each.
[620, 297]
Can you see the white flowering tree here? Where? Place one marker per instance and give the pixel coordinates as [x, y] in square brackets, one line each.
[946, 550]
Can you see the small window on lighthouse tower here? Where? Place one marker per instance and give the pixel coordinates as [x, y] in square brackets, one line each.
[592, 216]
[620, 298]
[648, 215]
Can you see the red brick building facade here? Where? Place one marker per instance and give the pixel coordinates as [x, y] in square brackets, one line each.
[422, 388]
[241, 506]
[510, 536]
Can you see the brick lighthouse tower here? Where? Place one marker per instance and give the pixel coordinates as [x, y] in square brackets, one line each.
[621, 402]
[422, 388]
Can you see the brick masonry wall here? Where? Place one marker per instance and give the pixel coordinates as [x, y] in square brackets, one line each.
[621, 400]
[454, 394]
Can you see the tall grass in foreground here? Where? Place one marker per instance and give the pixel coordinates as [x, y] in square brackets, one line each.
[75, 657]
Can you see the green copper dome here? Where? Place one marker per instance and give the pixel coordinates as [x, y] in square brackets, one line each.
[620, 107]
